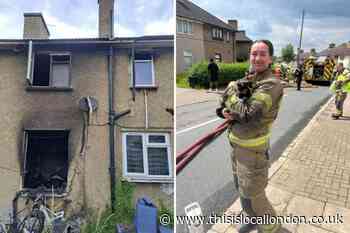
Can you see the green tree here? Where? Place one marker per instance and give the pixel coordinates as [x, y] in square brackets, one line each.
[288, 53]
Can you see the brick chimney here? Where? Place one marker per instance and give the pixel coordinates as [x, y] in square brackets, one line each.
[233, 23]
[105, 18]
[35, 26]
[313, 52]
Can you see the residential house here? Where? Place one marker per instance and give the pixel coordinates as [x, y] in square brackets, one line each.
[340, 53]
[79, 114]
[243, 44]
[201, 36]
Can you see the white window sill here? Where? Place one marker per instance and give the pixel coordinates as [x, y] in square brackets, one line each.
[148, 179]
[145, 87]
[185, 33]
[48, 88]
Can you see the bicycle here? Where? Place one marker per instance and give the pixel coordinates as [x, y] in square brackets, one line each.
[42, 219]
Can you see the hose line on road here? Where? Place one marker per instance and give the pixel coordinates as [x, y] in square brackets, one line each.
[183, 158]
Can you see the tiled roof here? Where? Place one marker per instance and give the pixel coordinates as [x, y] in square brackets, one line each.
[337, 51]
[187, 9]
[241, 37]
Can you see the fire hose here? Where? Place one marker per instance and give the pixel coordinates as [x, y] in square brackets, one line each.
[183, 158]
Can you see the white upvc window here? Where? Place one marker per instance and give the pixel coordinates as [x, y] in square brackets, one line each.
[147, 157]
[188, 58]
[184, 26]
[144, 71]
[217, 33]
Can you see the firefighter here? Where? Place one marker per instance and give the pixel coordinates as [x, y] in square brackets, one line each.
[251, 112]
[340, 86]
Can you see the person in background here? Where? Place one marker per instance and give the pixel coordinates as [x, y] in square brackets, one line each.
[213, 71]
[340, 86]
[298, 74]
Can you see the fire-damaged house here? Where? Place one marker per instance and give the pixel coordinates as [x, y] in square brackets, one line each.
[77, 115]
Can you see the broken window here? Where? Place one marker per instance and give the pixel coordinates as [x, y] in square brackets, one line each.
[51, 70]
[144, 70]
[146, 156]
[46, 159]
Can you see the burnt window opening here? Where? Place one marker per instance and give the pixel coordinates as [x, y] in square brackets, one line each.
[51, 70]
[46, 160]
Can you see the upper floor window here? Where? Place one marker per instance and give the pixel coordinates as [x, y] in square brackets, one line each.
[227, 36]
[217, 33]
[184, 26]
[50, 69]
[144, 70]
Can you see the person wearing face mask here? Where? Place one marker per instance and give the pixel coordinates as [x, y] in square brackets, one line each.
[251, 105]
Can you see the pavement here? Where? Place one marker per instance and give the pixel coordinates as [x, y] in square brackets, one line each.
[190, 96]
[312, 177]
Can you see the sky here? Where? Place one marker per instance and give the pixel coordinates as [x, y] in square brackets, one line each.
[325, 22]
[79, 18]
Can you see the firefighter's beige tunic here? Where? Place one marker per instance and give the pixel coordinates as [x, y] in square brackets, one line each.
[249, 136]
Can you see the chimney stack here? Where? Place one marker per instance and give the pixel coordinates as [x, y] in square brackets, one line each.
[35, 26]
[233, 23]
[106, 18]
[313, 52]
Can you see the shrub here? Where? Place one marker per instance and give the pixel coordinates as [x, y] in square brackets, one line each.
[182, 80]
[168, 211]
[106, 221]
[198, 74]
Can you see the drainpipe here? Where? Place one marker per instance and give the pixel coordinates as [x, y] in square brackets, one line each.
[112, 169]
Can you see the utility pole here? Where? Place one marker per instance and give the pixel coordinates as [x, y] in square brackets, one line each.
[300, 37]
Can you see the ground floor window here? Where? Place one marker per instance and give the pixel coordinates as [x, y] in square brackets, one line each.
[188, 58]
[46, 159]
[146, 156]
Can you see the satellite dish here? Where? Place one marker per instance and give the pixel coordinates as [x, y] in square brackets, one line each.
[87, 103]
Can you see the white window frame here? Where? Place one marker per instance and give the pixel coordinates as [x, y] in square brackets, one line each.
[181, 25]
[50, 54]
[145, 176]
[153, 84]
[217, 33]
[186, 54]
[227, 36]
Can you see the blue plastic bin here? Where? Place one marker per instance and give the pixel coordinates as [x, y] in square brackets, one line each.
[146, 216]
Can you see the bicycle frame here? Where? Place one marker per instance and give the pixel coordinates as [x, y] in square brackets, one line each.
[51, 216]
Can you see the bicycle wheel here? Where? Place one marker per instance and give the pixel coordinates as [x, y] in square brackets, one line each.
[33, 223]
[2, 228]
